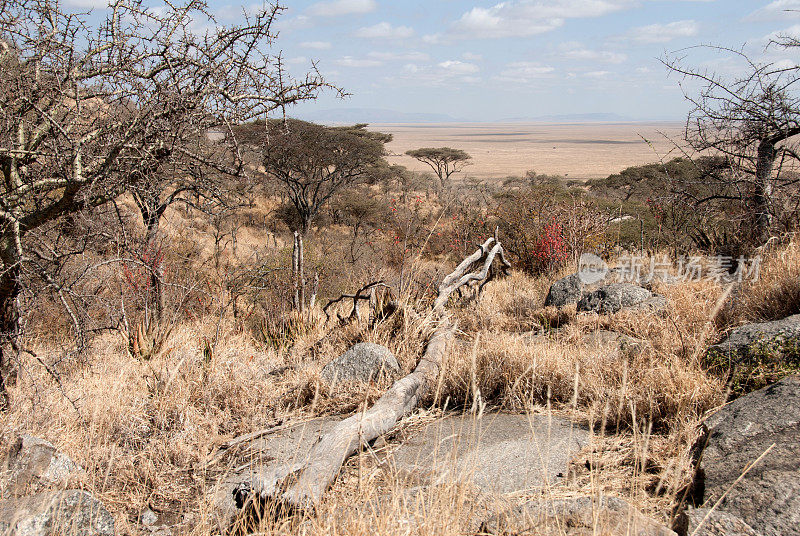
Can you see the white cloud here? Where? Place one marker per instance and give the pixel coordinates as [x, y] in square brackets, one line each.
[350, 61]
[520, 18]
[469, 56]
[434, 39]
[316, 45]
[337, 8]
[296, 60]
[576, 51]
[384, 30]
[777, 10]
[596, 74]
[395, 56]
[525, 71]
[662, 33]
[459, 67]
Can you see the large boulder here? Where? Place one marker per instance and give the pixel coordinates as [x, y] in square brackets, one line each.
[609, 299]
[779, 338]
[28, 462]
[363, 362]
[55, 513]
[576, 516]
[497, 453]
[767, 497]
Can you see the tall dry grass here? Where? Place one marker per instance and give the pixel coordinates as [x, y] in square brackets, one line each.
[146, 431]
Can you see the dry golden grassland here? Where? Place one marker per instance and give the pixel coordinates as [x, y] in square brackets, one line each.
[575, 150]
[146, 431]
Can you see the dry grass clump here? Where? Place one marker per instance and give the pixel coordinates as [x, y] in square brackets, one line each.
[662, 382]
[775, 294]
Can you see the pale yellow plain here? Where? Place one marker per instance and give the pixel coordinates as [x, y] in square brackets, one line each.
[574, 150]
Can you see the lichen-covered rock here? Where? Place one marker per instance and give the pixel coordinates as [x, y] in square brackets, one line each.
[612, 298]
[363, 362]
[30, 462]
[767, 498]
[779, 337]
[55, 513]
[758, 354]
[577, 516]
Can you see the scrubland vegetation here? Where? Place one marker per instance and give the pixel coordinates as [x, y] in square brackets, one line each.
[157, 309]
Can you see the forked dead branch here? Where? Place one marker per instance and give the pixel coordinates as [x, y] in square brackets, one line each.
[302, 485]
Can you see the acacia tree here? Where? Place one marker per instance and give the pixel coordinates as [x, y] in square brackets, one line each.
[87, 112]
[444, 161]
[312, 163]
[750, 121]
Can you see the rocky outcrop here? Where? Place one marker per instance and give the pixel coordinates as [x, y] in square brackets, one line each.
[363, 362]
[779, 338]
[577, 516]
[28, 462]
[572, 288]
[767, 498]
[55, 513]
[609, 299]
[496, 453]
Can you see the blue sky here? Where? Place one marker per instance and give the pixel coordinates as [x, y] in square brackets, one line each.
[481, 60]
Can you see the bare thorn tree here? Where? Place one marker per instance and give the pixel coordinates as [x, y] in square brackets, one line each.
[751, 121]
[88, 111]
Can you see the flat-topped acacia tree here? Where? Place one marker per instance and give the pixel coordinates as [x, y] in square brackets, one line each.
[88, 111]
[444, 161]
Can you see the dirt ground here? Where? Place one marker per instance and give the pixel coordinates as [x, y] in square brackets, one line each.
[575, 150]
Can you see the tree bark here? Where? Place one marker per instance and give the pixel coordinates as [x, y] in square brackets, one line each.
[155, 267]
[10, 288]
[762, 190]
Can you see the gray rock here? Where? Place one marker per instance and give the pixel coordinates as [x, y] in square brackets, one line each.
[363, 362]
[612, 298]
[564, 291]
[56, 513]
[577, 516]
[779, 339]
[29, 462]
[498, 453]
[768, 496]
[148, 518]
[704, 522]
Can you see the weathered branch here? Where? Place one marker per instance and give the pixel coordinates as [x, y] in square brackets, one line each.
[302, 485]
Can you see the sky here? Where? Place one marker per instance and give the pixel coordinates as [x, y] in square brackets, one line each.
[488, 61]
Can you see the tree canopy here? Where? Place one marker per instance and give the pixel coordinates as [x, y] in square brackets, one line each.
[444, 161]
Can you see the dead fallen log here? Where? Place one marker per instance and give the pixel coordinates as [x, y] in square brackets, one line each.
[302, 485]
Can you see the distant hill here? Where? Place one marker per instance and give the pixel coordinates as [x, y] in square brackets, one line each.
[373, 115]
[572, 118]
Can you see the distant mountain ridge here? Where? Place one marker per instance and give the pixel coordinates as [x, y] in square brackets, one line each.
[381, 115]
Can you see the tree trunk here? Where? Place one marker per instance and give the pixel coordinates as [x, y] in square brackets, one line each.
[295, 272]
[10, 289]
[301, 273]
[761, 195]
[156, 267]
